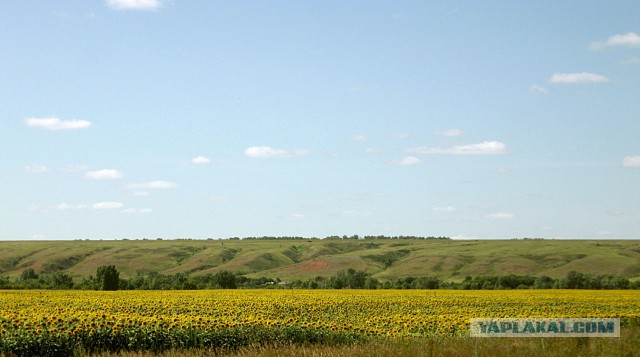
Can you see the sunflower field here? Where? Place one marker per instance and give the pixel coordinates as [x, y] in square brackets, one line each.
[38, 322]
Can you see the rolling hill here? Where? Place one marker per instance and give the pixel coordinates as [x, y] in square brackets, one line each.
[288, 259]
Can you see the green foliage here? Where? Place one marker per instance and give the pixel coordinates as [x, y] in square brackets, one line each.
[57, 280]
[228, 254]
[344, 279]
[390, 257]
[61, 264]
[28, 274]
[108, 277]
[294, 253]
[225, 280]
[108, 339]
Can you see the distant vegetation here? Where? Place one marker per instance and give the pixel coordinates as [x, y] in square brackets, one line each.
[107, 278]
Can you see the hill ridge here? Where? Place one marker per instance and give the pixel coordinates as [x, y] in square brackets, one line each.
[303, 258]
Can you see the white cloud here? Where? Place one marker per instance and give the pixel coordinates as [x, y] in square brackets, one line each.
[106, 174]
[107, 205]
[36, 169]
[134, 4]
[201, 160]
[360, 138]
[38, 236]
[445, 209]
[267, 152]
[152, 185]
[631, 161]
[408, 161]
[500, 215]
[141, 193]
[451, 132]
[538, 89]
[578, 78]
[53, 123]
[67, 207]
[298, 216]
[630, 39]
[483, 148]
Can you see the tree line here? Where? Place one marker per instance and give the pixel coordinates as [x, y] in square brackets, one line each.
[108, 278]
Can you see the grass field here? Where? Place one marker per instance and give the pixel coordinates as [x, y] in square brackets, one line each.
[450, 260]
[36, 322]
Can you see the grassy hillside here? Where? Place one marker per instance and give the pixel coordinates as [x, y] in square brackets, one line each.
[289, 259]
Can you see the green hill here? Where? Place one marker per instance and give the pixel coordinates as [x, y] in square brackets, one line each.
[288, 259]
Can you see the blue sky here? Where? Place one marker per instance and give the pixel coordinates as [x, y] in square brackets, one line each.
[174, 119]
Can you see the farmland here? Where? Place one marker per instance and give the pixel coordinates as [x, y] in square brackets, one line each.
[289, 259]
[61, 322]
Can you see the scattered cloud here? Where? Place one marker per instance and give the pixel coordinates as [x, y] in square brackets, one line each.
[36, 169]
[267, 152]
[577, 78]
[483, 148]
[134, 4]
[603, 233]
[538, 89]
[38, 236]
[408, 161]
[106, 174]
[445, 209]
[401, 136]
[450, 132]
[630, 39]
[53, 123]
[298, 216]
[98, 206]
[360, 138]
[107, 205]
[500, 215]
[631, 161]
[141, 193]
[152, 185]
[67, 207]
[201, 160]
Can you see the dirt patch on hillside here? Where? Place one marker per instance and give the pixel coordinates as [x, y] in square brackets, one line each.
[309, 266]
[314, 265]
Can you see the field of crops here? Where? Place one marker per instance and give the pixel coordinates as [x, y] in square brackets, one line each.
[61, 322]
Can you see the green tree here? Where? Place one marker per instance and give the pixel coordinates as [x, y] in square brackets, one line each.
[575, 280]
[28, 274]
[58, 280]
[225, 280]
[108, 277]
